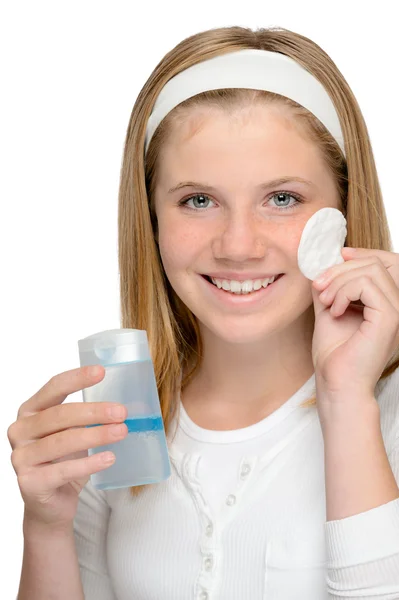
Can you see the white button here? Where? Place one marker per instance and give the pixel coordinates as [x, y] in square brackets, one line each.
[231, 500]
[208, 563]
[204, 595]
[245, 470]
[209, 529]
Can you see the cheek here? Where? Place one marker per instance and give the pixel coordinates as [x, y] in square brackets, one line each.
[177, 247]
[292, 236]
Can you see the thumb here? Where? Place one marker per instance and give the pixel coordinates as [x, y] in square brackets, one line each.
[318, 305]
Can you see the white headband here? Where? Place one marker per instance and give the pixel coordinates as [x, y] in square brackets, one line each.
[252, 69]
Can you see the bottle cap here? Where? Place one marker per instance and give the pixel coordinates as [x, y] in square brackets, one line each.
[113, 347]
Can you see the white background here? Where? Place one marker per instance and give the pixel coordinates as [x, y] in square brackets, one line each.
[70, 74]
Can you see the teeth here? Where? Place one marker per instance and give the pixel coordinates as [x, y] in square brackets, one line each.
[245, 287]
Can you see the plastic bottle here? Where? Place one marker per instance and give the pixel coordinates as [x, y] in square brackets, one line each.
[142, 456]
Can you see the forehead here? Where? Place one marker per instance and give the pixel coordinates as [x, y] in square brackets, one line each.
[197, 123]
[261, 137]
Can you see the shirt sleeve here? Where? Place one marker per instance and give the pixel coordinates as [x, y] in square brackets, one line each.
[90, 530]
[363, 550]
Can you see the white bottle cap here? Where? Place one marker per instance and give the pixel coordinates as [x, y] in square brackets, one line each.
[114, 346]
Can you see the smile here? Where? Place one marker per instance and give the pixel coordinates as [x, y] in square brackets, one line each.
[234, 298]
[242, 287]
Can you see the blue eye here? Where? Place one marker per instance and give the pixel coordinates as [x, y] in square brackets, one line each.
[297, 199]
[280, 195]
[184, 202]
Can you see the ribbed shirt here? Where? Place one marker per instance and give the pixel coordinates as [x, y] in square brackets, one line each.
[242, 517]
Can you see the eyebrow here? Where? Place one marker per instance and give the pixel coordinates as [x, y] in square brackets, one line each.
[262, 186]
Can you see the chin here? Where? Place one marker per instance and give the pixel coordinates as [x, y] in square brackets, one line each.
[240, 330]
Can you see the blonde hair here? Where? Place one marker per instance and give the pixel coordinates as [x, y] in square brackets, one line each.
[147, 299]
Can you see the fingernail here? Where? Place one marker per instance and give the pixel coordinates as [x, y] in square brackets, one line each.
[117, 412]
[322, 278]
[94, 371]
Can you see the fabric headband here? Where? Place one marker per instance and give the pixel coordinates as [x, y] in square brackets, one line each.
[253, 69]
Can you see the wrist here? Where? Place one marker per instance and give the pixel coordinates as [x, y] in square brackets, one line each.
[346, 413]
[34, 528]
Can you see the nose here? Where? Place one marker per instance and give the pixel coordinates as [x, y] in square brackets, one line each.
[241, 237]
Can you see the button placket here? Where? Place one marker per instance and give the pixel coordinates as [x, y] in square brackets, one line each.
[210, 549]
[209, 529]
[206, 579]
[209, 542]
[208, 563]
[232, 501]
[246, 470]
[194, 485]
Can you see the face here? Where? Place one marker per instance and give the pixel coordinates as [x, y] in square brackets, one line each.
[236, 220]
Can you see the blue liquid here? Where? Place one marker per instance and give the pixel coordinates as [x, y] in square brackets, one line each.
[138, 424]
[144, 424]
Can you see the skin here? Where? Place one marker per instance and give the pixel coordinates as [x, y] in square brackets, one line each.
[255, 358]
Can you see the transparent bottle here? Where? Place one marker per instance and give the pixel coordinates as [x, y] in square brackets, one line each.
[142, 456]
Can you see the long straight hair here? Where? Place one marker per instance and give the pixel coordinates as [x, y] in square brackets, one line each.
[147, 300]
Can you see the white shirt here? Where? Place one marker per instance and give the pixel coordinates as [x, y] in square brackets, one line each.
[242, 517]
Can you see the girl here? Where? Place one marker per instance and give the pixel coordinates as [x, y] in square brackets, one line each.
[279, 395]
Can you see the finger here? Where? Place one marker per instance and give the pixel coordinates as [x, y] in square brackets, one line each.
[333, 272]
[58, 388]
[65, 443]
[377, 308]
[317, 304]
[375, 272]
[388, 259]
[64, 416]
[44, 480]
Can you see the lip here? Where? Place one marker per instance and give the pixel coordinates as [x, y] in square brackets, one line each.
[239, 276]
[251, 299]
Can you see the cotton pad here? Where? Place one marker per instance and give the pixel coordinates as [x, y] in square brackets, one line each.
[321, 242]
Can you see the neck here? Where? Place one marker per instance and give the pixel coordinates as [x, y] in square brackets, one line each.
[237, 385]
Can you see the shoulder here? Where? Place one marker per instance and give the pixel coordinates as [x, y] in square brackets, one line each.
[387, 396]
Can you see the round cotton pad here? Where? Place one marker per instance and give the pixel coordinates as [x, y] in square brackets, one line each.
[321, 242]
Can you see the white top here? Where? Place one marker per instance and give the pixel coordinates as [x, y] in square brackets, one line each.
[242, 517]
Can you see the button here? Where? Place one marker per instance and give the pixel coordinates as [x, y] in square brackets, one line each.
[208, 563]
[245, 470]
[204, 595]
[209, 529]
[231, 500]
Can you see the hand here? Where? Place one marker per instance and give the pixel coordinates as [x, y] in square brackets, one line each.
[50, 446]
[352, 343]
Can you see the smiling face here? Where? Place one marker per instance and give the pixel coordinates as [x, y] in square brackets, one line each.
[243, 222]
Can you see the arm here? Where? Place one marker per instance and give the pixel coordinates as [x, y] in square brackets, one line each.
[90, 529]
[50, 567]
[358, 473]
[363, 542]
[69, 563]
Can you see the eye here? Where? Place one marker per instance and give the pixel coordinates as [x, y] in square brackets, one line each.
[202, 199]
[281, 197]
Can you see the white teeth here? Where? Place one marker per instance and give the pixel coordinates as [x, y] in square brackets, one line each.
[245, 287]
